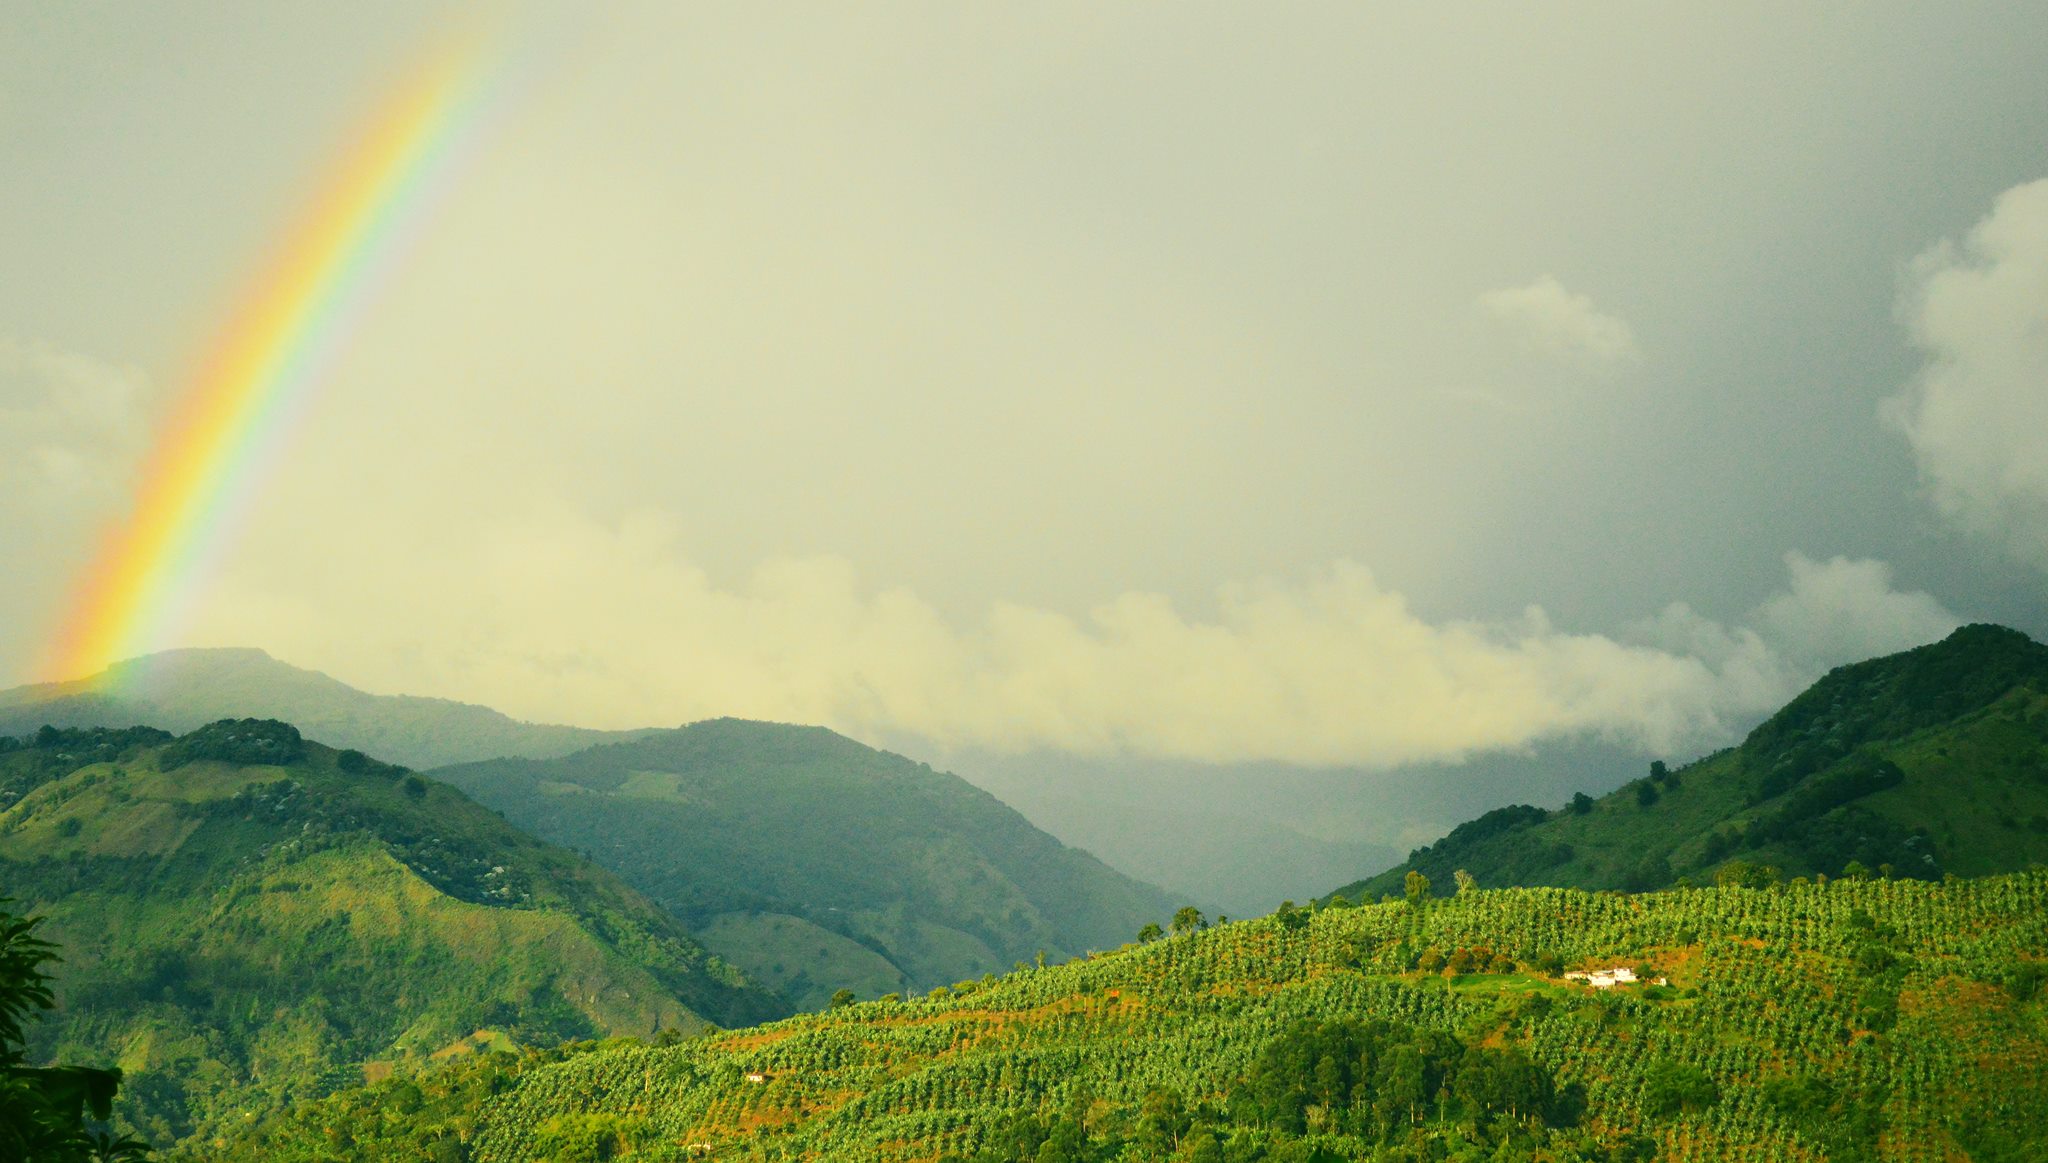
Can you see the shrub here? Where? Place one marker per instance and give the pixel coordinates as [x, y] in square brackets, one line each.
[238, 741]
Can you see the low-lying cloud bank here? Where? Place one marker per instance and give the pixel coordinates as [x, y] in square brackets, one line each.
[1977, 416]
[569, 620]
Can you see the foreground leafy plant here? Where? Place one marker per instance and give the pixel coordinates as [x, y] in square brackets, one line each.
[43, 1109]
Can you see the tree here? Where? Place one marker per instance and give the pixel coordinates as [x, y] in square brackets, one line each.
[1581, 803]
[1669, 1087]
[2023, 979]
[1162, 1120]
[1652, 872]
[43, 1110]
[1466, 881]
[841, 998]
[1151, 932]
[1188, 920]
[1416, 886]
[1658, 771]
[1744, 874]
[1646, 793]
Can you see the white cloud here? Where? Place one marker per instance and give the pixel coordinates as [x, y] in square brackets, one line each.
[1560, 323]
[564, 618]
[1977, 415]
[1834, 612]
[1843, 611]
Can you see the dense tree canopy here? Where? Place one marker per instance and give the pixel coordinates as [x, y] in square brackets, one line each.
[45, 1111]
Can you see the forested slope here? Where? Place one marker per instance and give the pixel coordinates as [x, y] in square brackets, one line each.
[247, 918]
[816, 863]
[1929, 761]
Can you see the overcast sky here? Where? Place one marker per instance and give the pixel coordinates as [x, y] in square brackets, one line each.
[1338, 385]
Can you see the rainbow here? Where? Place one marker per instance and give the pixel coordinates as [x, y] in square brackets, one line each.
[254, 382]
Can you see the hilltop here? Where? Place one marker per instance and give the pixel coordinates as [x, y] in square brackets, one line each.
[1857, 1020]
[1930, 761]
[248, 917]
[181, 690]
[816, 863]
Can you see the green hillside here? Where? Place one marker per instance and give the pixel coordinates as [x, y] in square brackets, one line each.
[1858, 1020]
[1930, 761]
[815, 863]
[248, 918]
[181, 690]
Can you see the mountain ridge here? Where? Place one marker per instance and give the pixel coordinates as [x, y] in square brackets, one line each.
[1137, 831]
[1931, 760]
[183, 689]
[798, 834]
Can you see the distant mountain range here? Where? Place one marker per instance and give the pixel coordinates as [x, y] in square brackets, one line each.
[1211, 857]
[816, 863]
[248, 918]
[180, 690]
[1931, 761]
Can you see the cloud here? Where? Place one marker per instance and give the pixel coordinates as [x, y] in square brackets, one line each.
[564, 618]
[1977, 414]
[71, 430]
[1843, 611]
[1834, 612]
[1559, 323]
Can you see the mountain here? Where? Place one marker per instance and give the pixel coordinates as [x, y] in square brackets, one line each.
[1237, 837]
[1929, 761]
[181, 690]
[815, 863]
[1848, 1021]
[249, 918]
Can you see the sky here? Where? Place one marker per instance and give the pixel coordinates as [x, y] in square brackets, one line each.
[1348, 387]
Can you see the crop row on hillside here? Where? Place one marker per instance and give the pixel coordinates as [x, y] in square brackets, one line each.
[1870, 1019]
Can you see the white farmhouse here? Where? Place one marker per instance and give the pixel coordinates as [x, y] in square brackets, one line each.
[1603, 978]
